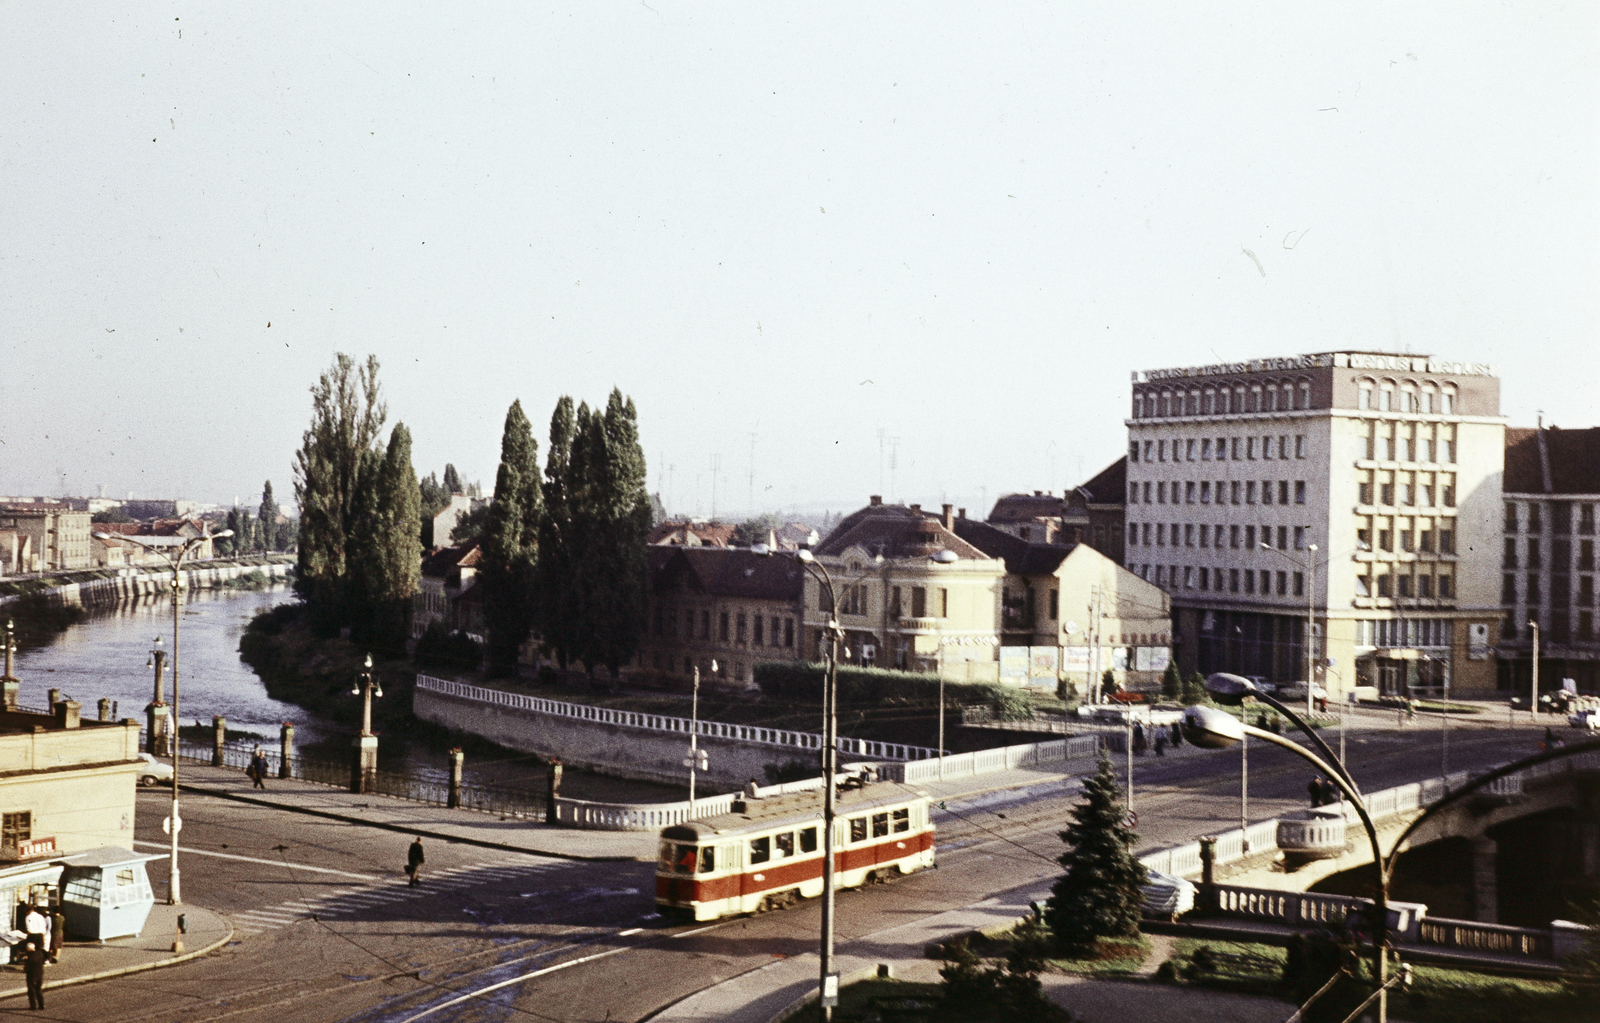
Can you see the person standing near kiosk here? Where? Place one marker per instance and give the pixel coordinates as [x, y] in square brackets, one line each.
[414, 861]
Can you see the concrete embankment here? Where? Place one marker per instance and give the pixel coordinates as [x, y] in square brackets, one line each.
[131, 583]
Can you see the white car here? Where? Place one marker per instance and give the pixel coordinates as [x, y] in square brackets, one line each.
[1297, 691]
[1588, 719]
[152, 770]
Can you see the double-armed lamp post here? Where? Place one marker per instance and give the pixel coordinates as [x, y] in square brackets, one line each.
[175, 562]
[364, 768]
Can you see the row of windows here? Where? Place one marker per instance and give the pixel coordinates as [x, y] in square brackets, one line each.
[1410, 442]
[751, 629]
[1564, 515]
[1224, 580]
[1560, 590]
[1404, 632]
[1420, 535]
[1407, 396]
[1223, 399]
[1406, 581]
[1554, 626]
[1191, 534]
[1560, 553]
[1223, 449]
[1226, 492]
[856, 600]
[1406, 489]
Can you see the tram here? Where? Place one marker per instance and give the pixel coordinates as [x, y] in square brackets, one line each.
[767, 853]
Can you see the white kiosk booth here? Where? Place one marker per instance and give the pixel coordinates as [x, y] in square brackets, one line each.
[105, 893]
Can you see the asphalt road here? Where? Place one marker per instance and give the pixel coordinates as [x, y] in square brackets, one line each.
[329, 931]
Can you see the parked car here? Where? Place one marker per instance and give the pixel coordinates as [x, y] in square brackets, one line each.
[1263, 685]
[152, 770]
[1297, 691]
[1585, 719]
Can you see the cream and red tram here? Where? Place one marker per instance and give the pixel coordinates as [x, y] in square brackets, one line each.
[767, 853]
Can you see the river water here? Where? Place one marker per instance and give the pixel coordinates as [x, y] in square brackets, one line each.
[104, 654]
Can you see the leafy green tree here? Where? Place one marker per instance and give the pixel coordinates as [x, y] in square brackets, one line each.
[1194, 689]
[267, 517]
[757, 530]
[971, 992]
[385, 562]
[229, 545]
[347, 413]
[111, 515]
[510, 542]
[1108, 684]
[434, 495]
[658, 511]
[244, 536]
[452, 480]
[1171, 682]
[556, 617]
[1100, 894]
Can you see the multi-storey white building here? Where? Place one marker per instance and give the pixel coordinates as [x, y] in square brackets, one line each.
[1389, 464]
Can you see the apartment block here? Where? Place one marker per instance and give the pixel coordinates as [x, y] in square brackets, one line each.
[1361, 488]
[1547, 558]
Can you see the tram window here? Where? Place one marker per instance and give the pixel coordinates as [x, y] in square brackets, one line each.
[858, 829]
[902, 820]
[708, 860]
[666, 855]
[880, 825]
[808, 840]
[685, 861]
[760, 849]
[784, 843]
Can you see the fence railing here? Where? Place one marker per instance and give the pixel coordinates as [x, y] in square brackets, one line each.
[754, 734]
[1004, 758]
[1472, 936]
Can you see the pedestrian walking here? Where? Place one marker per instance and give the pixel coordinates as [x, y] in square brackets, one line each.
[1161, 742]
[33, 960]
[1138, 739]
[258, 769]
[1177, 735]
[414, 861]
[1319, 794]
[58, 933]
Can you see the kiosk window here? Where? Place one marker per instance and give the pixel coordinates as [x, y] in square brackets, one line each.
[808, 840]
[784, 843]
[858, 829]
[902, 820]
[880, 825]
[760, 850]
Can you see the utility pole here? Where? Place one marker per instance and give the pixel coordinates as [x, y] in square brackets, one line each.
[752, 497]
[716, 467]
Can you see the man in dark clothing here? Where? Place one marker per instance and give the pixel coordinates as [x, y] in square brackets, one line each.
[33, 960]
[58, 933]
[1177, 735]
[414, 860]
[1319, 795]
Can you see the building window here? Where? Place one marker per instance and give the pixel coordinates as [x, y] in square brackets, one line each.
[1424, 586]
[1535, 557]
[1586, 554]
[1222, 449]
[1205, 578]
[1188, 534]
[1188, 493]
[1188, 578]
[1205, 450]
[722, 620]
[1250, 492]
[1205, 535]
[1250, 538]
[1149, 445]
[1055, 604]
[739, 626]
[1386, 493]
[1161, 493]
[1233, 537]
[1508, 588]
[1233, 580]
[1161, 450]
[1188, 451]
[919, 602]
[1146, 499]
[1405, 540]
[1249, 581]
[894, 601]
[1283, 583]
[16, 828]
[1205, 492]
[1266, 491]
[1363, 586]
[1364, 397]
[788, 633]
[1535, 519]
[1586, 519]
[758, 638]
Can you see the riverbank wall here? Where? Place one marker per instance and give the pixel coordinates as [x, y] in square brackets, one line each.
[630, 744]
[132, 583]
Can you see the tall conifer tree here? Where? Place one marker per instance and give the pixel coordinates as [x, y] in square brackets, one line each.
[511, 541]
[268, 517]
[1100, 895]
[556, 614]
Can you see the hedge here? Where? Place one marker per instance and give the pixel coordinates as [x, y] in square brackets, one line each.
[801, 682]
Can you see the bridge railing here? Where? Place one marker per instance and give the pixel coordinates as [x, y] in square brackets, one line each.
[1471, 936]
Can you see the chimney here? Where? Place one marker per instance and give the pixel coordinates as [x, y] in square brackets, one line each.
[963, 513]
[1038, 493]
[916, 509]
[876, 500]
[67, 713]
[949, 516]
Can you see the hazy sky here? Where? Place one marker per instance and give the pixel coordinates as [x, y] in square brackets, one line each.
[960, 226]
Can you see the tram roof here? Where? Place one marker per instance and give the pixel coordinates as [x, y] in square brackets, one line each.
[795, 808]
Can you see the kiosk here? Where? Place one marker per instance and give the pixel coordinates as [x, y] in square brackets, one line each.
[105, 893]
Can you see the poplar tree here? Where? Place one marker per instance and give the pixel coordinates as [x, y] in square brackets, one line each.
[346, 414]
[268, 518]
[1100, 895]
[556, 614]
[452, 480]
[385, 557]
[510, 542]
[622, 503]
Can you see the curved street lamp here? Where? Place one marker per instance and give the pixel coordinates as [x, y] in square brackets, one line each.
[828, 982]
[175, 562]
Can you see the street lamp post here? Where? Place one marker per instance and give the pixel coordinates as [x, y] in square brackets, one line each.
[1311, 617]
[1533, 696]
[364, 767]
[156, 720]
[697, 757]
[10, 683]
[173, 823]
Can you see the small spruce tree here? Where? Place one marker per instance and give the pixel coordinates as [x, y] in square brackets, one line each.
[1194, 689]
[1171, 682]
[1100, 894]
[1108, 684]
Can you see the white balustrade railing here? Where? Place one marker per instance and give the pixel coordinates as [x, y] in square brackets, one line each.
[752, 734]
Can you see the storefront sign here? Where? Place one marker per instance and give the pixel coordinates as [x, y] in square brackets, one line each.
[1152, 658]
[32, 849]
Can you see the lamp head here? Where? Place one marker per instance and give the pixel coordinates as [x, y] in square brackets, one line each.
[945, 557]
[805, 555]
[367, 663]
[1209, 728]
[102, 536]
[713, 665]
[218, 536]
[1229, 689]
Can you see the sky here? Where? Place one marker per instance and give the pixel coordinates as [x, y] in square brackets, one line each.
[829, 249]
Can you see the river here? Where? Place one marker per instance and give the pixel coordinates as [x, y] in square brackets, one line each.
[104, 654]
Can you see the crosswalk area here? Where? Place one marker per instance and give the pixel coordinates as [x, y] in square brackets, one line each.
[351, 900]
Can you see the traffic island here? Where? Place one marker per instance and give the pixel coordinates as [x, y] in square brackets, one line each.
[160, 944]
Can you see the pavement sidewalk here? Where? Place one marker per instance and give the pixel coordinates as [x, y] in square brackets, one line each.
[84, 961]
